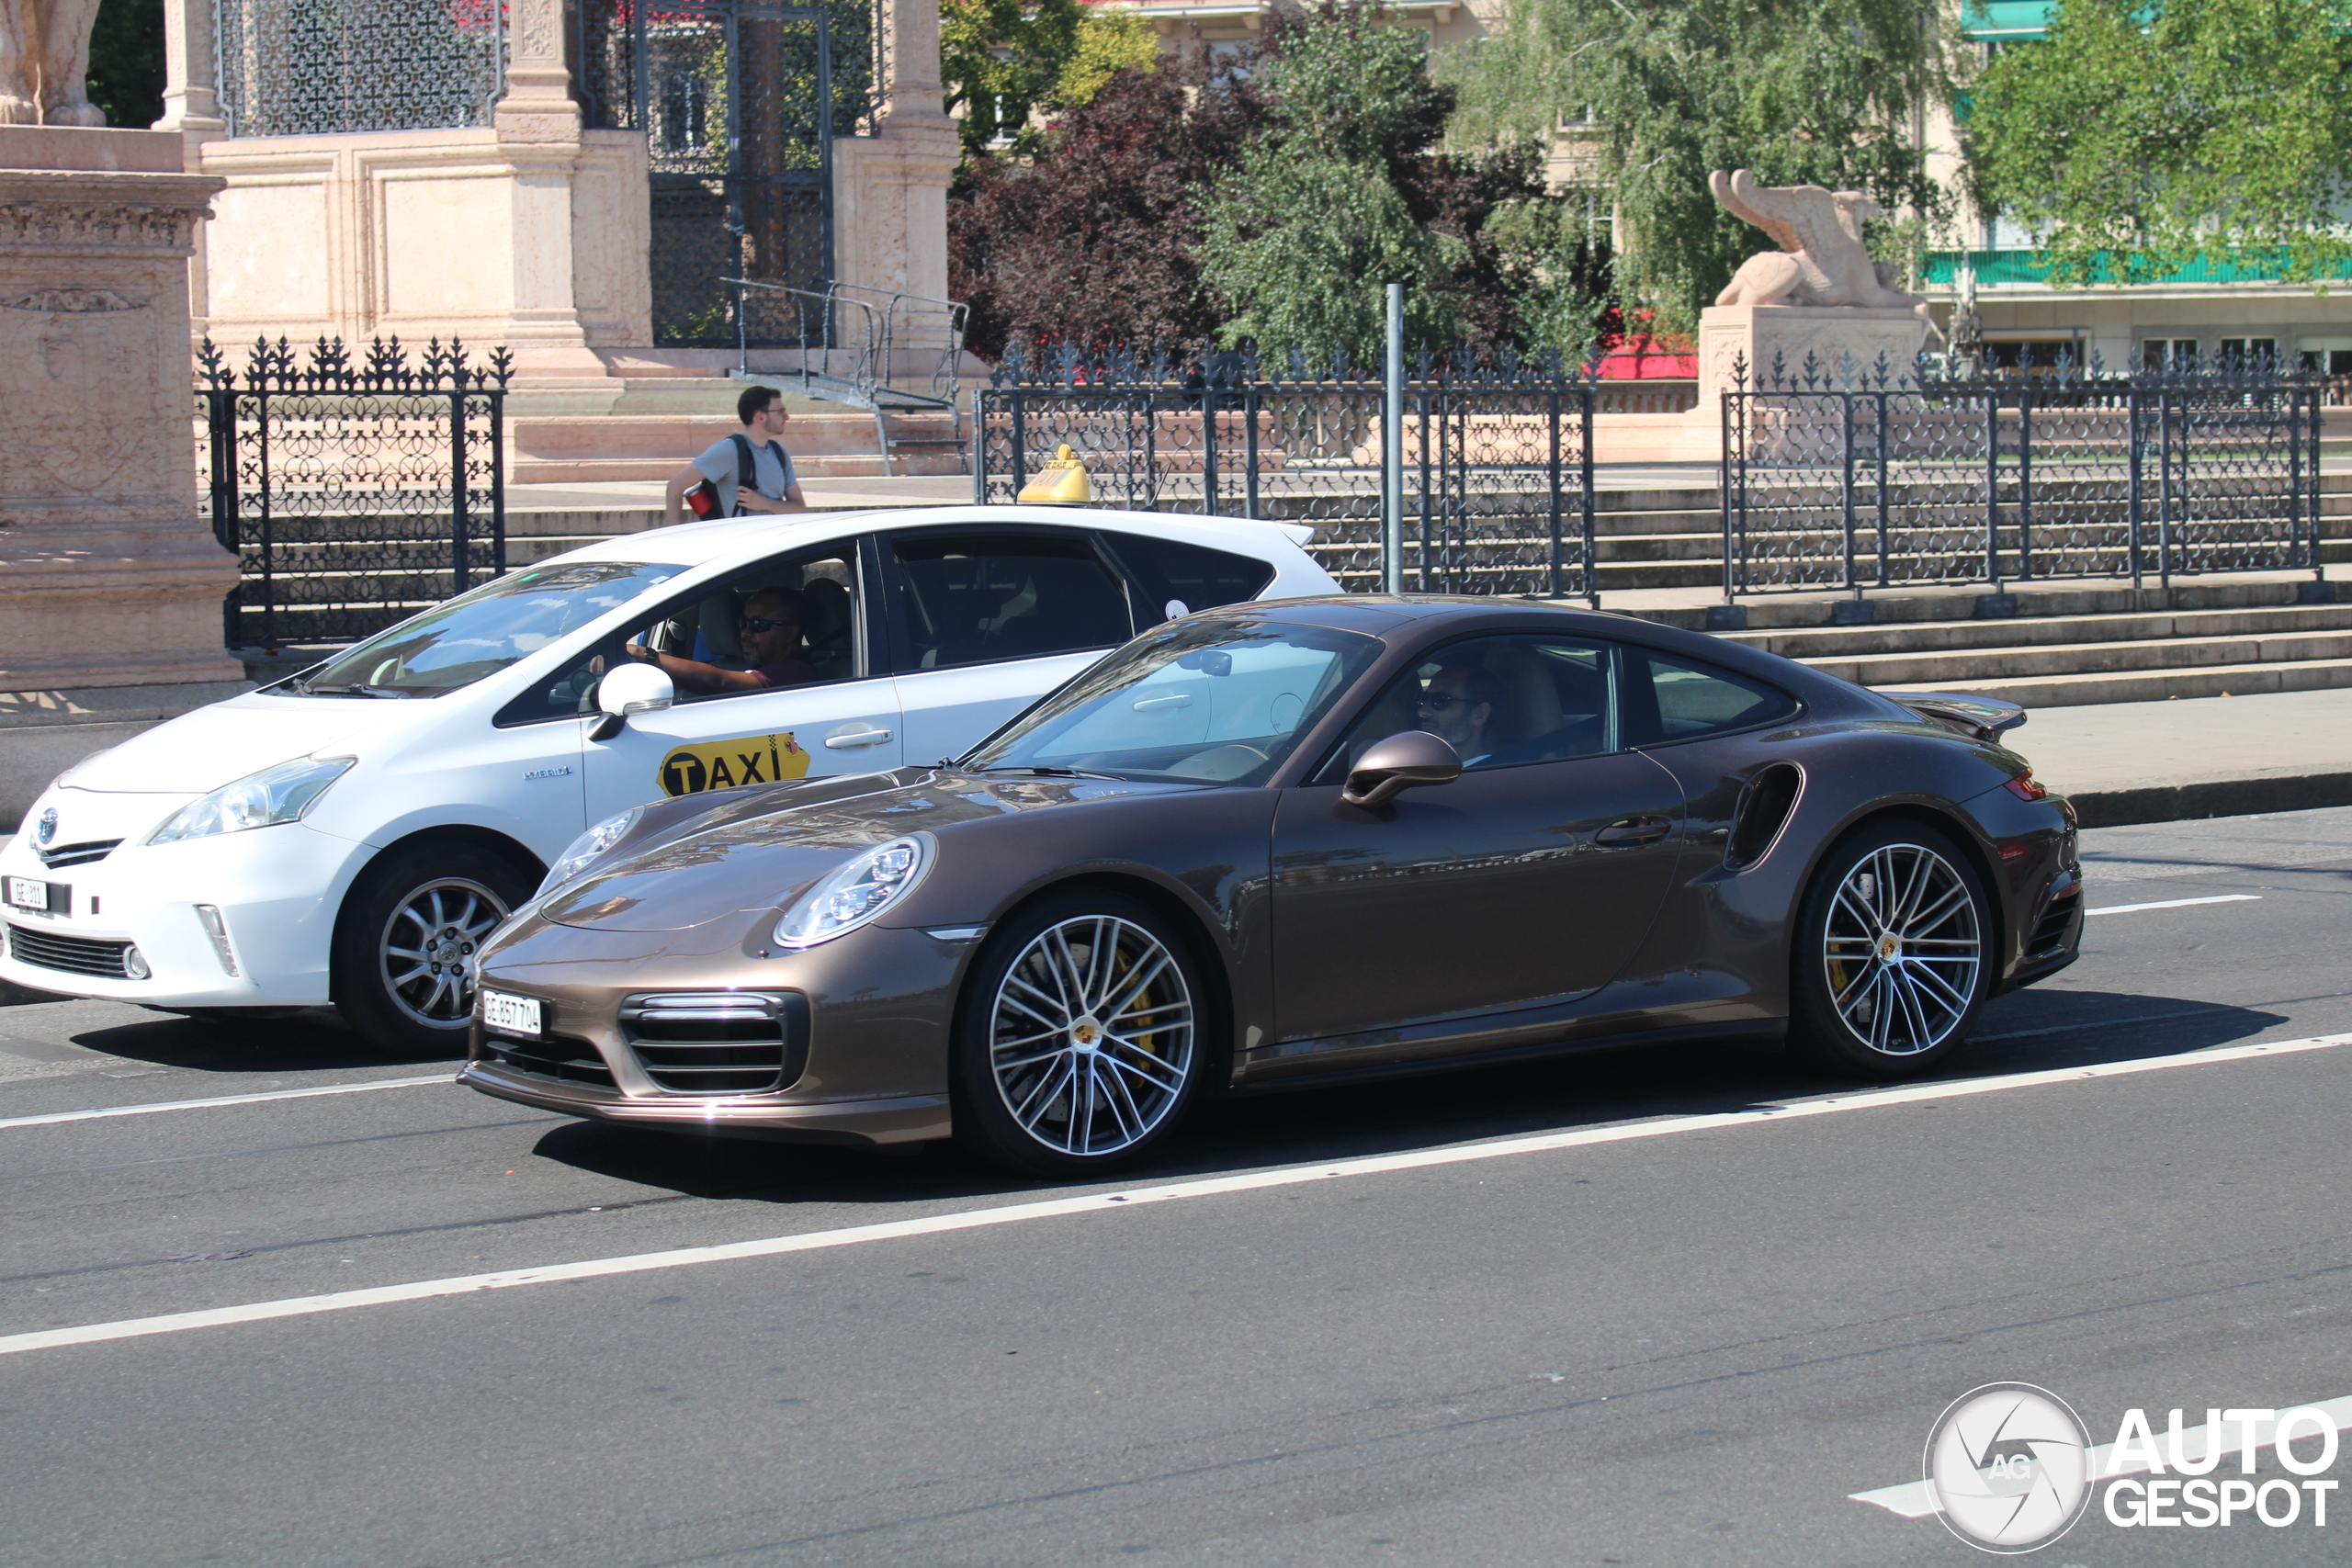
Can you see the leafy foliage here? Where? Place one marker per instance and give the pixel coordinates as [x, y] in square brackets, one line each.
[1798, 91]
[126, 76]
[1098, 237]
[1346, 192]
[1005, 61]
[2137, 139]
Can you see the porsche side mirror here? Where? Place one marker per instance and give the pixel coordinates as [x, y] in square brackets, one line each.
[632, 688]
[1398, 763]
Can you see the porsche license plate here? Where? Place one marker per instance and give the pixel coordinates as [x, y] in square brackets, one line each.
[29, 893]
[511, 1015]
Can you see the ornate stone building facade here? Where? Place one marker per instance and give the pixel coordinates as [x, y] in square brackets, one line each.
[568, 178]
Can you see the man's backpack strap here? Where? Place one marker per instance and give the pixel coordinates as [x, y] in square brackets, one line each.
[747, 471]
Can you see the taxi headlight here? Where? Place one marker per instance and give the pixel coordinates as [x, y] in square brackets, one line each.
[282, 794]
[857, 892]
[585, 848]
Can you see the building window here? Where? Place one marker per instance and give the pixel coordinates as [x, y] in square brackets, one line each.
[2249, 350]
[2169, 354]
[318, 67]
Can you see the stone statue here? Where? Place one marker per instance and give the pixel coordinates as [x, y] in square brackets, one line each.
[44, 58]
[1821, 260]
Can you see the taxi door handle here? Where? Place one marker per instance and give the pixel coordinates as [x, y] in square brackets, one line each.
[1634, 830]
[857, 737]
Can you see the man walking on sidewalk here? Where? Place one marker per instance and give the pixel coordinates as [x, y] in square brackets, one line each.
[750, 472]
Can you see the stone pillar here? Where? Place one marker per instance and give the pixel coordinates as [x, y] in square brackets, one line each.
[110, 586]
[1841, 339]
[192, 106]
[538, 131]
[890, 189]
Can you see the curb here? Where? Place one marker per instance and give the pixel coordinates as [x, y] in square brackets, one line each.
[2211, 797]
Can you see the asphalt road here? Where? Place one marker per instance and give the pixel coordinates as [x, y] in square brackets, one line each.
[1686, 1343]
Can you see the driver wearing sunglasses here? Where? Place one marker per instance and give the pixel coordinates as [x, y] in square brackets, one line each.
[770, 631]
[1457, 705]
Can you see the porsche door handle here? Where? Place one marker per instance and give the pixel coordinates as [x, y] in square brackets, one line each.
[1634, 830]
[856, 738]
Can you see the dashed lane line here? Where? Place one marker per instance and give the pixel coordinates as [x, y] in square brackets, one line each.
[2178, 904]
[219, 1100]
[1101, 1202]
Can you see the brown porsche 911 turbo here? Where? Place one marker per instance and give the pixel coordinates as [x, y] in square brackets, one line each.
[1285, 843]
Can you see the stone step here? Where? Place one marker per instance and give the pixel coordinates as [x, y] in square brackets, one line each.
[1830, 643]
[1936, 670]
[2158, 685]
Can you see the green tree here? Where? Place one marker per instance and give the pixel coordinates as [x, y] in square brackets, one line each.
[1821, 92]
[1344, 192]
[1005, 62]
[127, 63]
[2137, 139]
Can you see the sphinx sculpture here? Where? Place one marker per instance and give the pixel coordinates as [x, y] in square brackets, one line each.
[1821, 260]
[44, 58]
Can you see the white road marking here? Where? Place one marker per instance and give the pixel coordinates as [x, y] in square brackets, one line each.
[1094, 1204]
[1918, 1499]
[56, 1116]
[2178, 904]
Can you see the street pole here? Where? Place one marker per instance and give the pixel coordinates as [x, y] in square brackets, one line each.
[1392, 449]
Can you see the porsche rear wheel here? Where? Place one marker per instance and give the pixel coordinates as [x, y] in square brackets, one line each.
[1894, 954]
[1080, 1037]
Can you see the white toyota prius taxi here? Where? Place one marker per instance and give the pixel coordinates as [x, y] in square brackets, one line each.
[350, 834]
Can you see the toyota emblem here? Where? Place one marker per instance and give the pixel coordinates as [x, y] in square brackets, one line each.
[47, 828]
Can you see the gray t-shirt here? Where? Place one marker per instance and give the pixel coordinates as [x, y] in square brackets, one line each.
[771, 473]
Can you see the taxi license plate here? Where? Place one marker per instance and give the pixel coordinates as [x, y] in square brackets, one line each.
[29, 893]
[511, 1015]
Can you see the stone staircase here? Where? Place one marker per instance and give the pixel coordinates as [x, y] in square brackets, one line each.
[661, 422]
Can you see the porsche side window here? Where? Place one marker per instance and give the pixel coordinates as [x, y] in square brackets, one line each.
[1499, 701]
[1676, 699]
[977, 598]
[1168, 572]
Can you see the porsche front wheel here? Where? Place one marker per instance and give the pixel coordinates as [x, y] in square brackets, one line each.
[1894, 954]
[1080, 1037]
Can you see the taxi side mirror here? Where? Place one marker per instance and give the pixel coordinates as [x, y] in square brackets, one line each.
[632, 688]
[1398, 763]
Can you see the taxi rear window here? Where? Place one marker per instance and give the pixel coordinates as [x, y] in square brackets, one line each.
[481, 633]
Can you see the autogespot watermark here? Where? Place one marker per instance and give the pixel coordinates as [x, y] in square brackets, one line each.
[2011, 1468]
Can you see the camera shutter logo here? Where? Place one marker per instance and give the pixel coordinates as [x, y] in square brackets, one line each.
[2010, 1463]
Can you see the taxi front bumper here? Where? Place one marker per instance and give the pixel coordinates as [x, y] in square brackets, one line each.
[274, 890]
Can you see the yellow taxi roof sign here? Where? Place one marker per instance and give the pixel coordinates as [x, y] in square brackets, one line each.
[1061, 482]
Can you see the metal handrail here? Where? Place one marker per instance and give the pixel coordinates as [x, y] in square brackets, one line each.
[884, 314]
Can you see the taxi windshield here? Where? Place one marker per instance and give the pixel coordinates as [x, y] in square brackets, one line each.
[481, 633]
[1203, 702]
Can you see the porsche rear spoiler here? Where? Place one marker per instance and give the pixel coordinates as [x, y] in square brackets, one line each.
[1979, 718]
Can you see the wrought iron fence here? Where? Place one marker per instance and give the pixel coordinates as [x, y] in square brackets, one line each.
[313, 67]
[354, 494]
[1497, 456]
[1863, 480]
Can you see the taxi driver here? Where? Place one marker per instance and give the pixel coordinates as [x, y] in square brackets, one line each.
[770, 631]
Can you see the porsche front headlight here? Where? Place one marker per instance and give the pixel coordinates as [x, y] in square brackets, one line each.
[281, 794]
[587, 847]
[857, 892]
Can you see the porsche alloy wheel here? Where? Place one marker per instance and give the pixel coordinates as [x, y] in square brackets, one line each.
[1088, 1043]
[1900, 925]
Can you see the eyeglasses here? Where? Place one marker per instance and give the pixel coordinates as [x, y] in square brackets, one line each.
[1443, 701]
[756, 623]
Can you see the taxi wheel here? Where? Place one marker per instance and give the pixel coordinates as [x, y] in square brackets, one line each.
[1081, 1037]
[408, 940]
[1894, 955]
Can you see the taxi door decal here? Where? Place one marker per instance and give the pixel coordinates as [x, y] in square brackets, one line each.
[731, 765]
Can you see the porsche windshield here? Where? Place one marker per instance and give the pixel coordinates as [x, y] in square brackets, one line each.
[1208, 701]
[482, 632]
